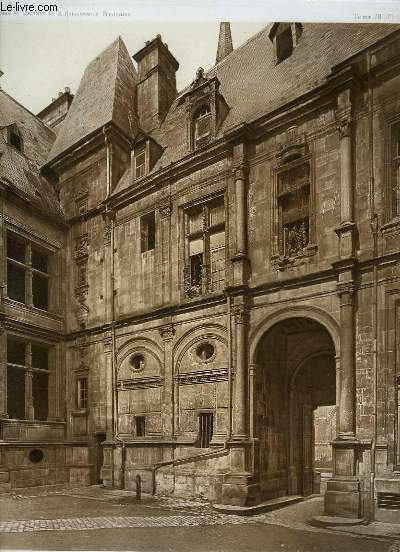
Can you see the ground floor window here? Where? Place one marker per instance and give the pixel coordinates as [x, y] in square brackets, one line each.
[27, 380]
[206, 428]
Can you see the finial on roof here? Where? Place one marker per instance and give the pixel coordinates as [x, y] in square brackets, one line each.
[225, 45]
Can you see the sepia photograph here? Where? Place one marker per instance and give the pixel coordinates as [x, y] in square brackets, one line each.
[200, 277]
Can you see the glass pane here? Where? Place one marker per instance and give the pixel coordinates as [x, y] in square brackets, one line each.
[39, 260]
[218, 269]
[196, 221]
[16, 352]
[40, 395]
[217, 214]
[195, 247]
[15, 248]
[217, 240]
[40, 292]
[15, 282]
[16, 393]
[40, 357]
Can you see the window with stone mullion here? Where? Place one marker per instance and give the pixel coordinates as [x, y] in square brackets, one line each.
[396, 170]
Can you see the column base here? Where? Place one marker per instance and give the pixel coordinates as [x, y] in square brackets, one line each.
[240, 490]
[343, 498]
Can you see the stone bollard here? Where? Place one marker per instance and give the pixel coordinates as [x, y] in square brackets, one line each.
[138, 487]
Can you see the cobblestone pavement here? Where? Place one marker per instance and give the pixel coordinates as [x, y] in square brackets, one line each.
[84, 524]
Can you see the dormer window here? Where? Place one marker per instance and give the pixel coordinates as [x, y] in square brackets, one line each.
[284, 37]
[15, 139]
[202, 126]
[140, 163]
[284, 44]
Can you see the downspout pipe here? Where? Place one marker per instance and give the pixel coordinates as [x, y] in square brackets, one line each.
[374, 223]
[109, 214]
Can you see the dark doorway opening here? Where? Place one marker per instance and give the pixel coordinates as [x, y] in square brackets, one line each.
[100, 437]
[294, 390]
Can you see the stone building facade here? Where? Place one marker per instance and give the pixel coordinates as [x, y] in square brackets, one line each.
[203, 286]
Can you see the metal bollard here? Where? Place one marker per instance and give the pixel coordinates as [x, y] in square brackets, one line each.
[138, 487]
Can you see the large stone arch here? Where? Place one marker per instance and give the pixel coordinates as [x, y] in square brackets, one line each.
[314, 313]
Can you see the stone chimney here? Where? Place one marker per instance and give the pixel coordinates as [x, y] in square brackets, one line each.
[225, 46]
[54, 113]
[156, 89]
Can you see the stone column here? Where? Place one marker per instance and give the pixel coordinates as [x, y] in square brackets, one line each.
[167, 333]
[241, 207]
[346, 426]
[165, 211]
[240, 406]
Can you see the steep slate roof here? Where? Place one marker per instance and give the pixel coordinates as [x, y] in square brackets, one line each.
[253, 85]
[106, 94]
[21, 170]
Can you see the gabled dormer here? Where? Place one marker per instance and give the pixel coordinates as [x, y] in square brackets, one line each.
[284, 37]
[13, 137]
[145, 154]
[205, 108]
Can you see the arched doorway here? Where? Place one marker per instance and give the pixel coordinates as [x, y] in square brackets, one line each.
[294, 407]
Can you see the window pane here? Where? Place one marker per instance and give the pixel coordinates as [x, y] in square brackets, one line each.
[16, 393]
[217, 214]
[40, 292]
[15, 248]
[218, 269]
[148, 232]
[82, 393]
[196, 246]
[39, 260]
[206, 423]
[140, 426]
[196, 270]
[16, 352]
[40, 357]
[40, 395]
[196, 221]
[15, 282]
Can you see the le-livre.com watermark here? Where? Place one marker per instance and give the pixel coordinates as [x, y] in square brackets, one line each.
[23, 9]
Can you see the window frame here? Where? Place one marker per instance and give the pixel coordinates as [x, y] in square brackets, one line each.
[204, 234]
[292, 163]
[29, 372]
[206, 430]
[393, 170]
[30, 271]
[147, 244]
[140, 422]
[82, 399]
[201, 140]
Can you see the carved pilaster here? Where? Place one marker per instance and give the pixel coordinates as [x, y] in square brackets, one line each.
[167, 332]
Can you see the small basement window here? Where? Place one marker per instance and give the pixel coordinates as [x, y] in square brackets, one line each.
[148, 231]
[206, 428]
[140, 426]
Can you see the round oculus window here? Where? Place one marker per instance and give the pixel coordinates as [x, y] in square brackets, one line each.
[137, 362]
[205, 351]
[36, 456]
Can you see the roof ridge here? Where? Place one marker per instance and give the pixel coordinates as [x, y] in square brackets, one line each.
[28, 111]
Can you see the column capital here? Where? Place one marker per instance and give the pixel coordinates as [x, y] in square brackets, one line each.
[240, 313]
[240, 170]
[167, 332]
[346, 290]
[165, 211]
[345, 126]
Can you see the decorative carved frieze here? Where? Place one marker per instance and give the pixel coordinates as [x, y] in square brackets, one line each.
[140, 383]
[107, 342]
[345, 290]
[81, 247]
[81, 193]
[107, 234]
[82, 309]
[294, 146]
[240, 171]
[202, 376]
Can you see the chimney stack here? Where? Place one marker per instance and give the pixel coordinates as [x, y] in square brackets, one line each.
[225, 46]
[156, 89]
